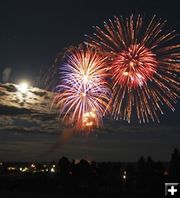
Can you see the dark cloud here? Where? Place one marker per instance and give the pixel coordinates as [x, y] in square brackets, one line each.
[32, 132]
[26, 112]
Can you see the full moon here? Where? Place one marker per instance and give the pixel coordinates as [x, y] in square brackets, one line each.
[23, 87]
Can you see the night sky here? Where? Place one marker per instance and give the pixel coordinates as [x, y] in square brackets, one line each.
[32, 33]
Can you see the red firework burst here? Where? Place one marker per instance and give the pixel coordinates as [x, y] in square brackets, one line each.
[134, 66]
[144, 66]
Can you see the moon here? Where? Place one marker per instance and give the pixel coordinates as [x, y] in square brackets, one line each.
[23, 87]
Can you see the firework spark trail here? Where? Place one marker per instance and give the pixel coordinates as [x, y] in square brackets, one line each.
[82, 94]
[145, 66]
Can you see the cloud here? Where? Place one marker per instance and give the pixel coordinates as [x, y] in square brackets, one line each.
[30, 126]
[27, 112]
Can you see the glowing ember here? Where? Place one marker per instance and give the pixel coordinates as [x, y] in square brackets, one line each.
[89, 119]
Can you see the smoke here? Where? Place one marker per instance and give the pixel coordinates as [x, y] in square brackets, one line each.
[64, 137]
[6, 74]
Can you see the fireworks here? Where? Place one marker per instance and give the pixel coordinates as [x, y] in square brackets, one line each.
[144, 66]
[136, 72]
[134, 66]
[82, 94]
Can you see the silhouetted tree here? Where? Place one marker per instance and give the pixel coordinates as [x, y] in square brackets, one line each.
[150, 174]
[64, 170]
[64, 165]
[84, 172]
[141, 173]
[174, 169]
[158, 179]
[130, 178]
[94, 180]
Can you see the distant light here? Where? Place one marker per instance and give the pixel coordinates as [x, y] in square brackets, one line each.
[52, 170]
[25, 169]
[23, 87]
[124, 175]
[33, 166]
[11, 168]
